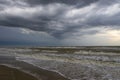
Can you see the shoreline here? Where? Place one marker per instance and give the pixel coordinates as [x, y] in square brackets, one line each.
[37, 72]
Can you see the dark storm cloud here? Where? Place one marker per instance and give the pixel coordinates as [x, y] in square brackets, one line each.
[23, 23]
[60, 17]
[68, 2]
[103, 3]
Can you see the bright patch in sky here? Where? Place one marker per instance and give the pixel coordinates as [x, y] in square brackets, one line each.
[114, 35]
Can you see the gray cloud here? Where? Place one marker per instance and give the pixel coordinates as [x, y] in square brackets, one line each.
[60, 17]
[79, 3]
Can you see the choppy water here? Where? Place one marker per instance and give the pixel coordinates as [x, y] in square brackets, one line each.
[80, 65]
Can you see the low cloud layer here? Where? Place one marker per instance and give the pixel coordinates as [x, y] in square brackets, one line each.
[61, 18]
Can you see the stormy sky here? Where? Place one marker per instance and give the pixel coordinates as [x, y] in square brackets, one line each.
[60, 22]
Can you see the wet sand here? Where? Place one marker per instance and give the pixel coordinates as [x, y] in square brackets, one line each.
[7, 73]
